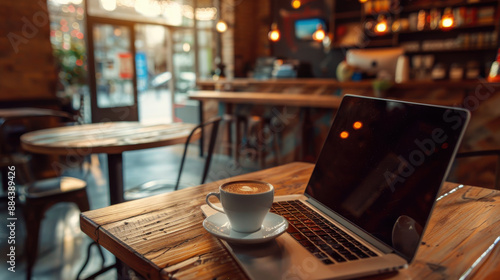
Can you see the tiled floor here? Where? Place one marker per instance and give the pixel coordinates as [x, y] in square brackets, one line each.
[62, 249]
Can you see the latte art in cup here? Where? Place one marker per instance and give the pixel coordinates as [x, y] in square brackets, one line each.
[245, 203]
[247, 188]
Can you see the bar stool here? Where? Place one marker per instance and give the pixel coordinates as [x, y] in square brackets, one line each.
[255, 134]
[258, 136]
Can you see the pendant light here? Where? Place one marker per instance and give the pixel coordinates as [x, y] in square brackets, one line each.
[274, 35]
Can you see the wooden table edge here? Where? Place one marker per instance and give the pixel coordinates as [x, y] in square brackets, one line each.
[87, 226]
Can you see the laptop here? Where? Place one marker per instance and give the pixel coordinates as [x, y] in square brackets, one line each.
[369, 197]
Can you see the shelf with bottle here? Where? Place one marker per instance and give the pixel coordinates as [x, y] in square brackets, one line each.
[444, 16]
[476, 42]
[415, 6]
[494, 74]
[462, 28]
[454, 50]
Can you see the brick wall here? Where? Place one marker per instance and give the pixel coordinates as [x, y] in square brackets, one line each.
[27, 69]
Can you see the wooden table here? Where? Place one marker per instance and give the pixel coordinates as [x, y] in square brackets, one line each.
[162, 237]
[112, 139]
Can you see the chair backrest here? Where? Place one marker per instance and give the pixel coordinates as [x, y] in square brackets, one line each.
[495, 152]
[214, 123]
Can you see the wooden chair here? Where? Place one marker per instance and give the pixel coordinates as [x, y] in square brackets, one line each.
[162, 185]
[36, 196]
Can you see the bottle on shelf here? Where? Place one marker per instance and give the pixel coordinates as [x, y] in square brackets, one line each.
[494, 76]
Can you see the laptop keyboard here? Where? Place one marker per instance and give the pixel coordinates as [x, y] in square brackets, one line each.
[319, 236]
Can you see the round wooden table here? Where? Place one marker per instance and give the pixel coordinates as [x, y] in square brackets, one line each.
[111, 138]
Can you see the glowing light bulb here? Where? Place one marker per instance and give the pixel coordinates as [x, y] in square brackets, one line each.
[357, 125]
[319, 34]
[381, 27]
[296, 4]
[274, 35]
[447, 21]
[344, 134]
[221, 26]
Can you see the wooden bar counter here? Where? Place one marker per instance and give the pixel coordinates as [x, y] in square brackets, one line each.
[317, 84]
[162, 237]
[279, 99]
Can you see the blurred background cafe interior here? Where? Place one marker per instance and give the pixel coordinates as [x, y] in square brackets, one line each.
[275, 72]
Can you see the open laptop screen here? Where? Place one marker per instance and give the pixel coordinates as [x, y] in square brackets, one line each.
[383, 163]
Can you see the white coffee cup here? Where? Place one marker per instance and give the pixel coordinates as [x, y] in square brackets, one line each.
[245, 203]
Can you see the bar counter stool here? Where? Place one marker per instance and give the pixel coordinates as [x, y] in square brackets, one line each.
[255, 135]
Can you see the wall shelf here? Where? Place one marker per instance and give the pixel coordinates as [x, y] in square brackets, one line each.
[457, 50]
[444, 4]
[476, 27]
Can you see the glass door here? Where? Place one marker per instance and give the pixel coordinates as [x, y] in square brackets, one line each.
[183, 62]
[113, 87]
[154, 77]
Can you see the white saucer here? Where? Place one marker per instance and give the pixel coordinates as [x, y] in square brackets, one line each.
[272, 227]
